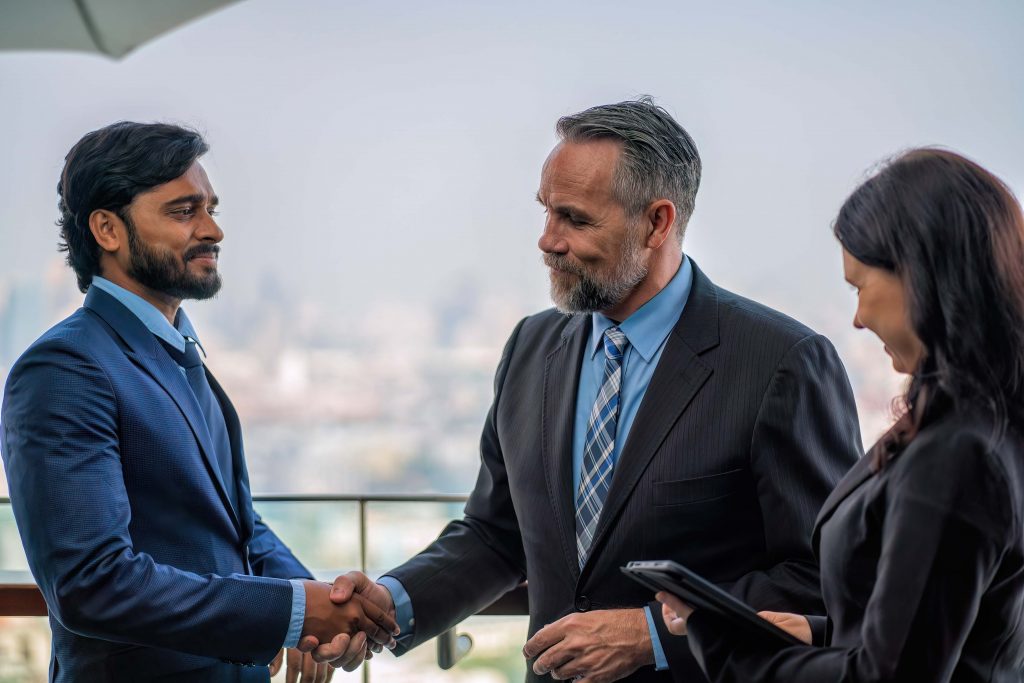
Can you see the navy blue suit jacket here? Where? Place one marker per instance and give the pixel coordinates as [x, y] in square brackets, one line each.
[146, 569]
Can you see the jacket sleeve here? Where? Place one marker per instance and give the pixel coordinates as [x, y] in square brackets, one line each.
[477, 559]
[947, 523]
[805, 438]
[61, 452]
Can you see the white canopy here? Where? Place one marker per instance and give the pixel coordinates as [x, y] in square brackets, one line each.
[112, 27]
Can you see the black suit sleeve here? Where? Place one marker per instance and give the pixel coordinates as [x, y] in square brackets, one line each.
[805, 438]
[477, 559]
[947, 522]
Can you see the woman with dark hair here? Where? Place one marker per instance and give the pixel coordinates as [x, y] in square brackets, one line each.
[922, 544]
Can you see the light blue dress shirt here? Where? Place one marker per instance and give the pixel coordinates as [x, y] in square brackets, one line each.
[647, 330]
[161, 327]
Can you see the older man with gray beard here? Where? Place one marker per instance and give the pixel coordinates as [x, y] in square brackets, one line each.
[653, 415]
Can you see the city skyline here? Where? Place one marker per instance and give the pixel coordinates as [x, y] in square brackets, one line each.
[377, 166]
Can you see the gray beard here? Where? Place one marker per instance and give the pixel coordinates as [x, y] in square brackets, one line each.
[591, 294]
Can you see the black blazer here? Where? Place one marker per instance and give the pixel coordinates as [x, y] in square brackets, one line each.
[747, 424]
[922, 571]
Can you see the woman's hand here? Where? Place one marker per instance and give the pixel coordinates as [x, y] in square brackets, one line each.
[793, 624]
[675, 612]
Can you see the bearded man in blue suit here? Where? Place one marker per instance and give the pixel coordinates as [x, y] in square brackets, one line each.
[124, 456]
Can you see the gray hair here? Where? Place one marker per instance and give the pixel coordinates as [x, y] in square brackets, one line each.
[659, 158]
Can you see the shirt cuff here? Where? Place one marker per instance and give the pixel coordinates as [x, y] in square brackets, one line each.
[660, 661]
[403, 605]
[298, 613]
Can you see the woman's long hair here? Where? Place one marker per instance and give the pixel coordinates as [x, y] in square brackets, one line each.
[954, 234]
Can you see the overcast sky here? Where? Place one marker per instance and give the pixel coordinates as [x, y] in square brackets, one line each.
[375, 151]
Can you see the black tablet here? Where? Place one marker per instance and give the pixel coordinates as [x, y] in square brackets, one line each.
[699, 593]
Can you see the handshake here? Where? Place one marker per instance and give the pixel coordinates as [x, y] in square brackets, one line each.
[347, 622]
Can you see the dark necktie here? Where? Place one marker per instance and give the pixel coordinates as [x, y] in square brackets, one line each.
[196, 376]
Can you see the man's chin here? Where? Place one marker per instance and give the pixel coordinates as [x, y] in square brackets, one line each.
[199, 288]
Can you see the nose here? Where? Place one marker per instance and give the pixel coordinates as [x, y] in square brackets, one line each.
[209, 230]
[551, 240]
[856, 320]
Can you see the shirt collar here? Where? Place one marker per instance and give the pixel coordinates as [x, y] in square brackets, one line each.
[650, 324]
[153, 319]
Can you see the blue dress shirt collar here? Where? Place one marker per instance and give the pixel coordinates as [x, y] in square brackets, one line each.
[151, 317]
[650, 324]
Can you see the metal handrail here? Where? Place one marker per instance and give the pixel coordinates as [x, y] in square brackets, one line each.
[451, 646]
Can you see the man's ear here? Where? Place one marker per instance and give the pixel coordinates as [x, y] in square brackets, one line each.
[660, 219]
[108, 230]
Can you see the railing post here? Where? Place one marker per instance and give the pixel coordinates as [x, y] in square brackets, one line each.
[452, 647]
[362, 565]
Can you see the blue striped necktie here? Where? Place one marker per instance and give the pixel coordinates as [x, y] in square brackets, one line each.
[598, 450]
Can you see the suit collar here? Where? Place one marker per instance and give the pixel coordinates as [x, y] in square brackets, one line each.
[126, 324]
[698, 325]
[561, 384]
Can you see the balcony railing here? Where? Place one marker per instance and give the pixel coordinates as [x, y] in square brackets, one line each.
[290, 517]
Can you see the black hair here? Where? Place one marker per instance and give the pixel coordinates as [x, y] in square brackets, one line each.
[954, 234]
[107, 169]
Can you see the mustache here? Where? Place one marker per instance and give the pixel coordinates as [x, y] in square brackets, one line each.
[562, 262]
[202, 250]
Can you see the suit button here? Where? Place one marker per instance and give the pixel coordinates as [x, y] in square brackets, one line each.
[582, 603]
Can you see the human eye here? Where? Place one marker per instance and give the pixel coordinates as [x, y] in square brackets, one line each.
[183, 212]
[575, 220]
[213, 211]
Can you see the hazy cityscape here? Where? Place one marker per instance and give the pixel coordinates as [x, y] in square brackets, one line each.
[332, 406]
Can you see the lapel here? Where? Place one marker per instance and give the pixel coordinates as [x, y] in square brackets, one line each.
[858, 474]
[561, 382]
[245, 512]
[677, 379]
[145, 351]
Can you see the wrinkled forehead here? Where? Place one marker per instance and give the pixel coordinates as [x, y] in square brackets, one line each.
[581, 167]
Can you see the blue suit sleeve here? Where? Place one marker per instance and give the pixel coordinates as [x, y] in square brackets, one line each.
[61, 449]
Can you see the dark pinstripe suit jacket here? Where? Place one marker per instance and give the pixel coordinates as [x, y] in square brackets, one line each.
[746, 426]
[147, 571]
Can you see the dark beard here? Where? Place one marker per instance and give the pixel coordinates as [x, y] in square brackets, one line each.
[161, 272]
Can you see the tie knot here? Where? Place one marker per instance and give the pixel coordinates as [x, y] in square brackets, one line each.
[614, 343]
[191, 354]
[189, 358]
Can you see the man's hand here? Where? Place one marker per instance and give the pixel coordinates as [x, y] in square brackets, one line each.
[674, 612]
[794, 624]
[301, 665]
[350, 654]
[326, 619]
[598, 647]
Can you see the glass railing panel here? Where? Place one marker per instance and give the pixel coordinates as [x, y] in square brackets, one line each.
[12, 555]
[323, 535]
